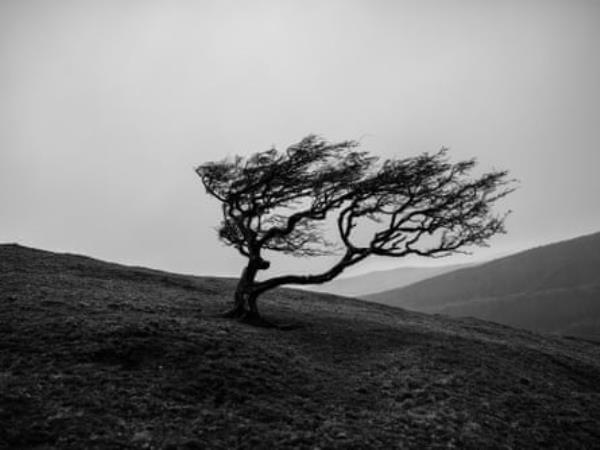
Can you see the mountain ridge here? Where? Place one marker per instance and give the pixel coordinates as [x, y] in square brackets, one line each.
[544, 278]
[381, 280]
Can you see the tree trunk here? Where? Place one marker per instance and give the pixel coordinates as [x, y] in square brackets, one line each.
[244, 300]
[252, 308]
[240, 302]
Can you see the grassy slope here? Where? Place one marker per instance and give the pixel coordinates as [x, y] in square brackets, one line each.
[95, 355]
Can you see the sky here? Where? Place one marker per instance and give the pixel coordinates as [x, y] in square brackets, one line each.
[106, 108]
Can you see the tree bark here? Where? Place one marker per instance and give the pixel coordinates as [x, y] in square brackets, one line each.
[245, 298]
[248, 290]
[239, 309]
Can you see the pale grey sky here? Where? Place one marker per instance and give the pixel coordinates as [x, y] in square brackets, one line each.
[106, 107]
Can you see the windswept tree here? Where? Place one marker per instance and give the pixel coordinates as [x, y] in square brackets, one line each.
[281, 201]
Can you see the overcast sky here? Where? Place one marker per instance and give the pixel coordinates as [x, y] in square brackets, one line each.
[106, 107]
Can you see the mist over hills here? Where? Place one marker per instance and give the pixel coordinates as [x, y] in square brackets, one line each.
[381, 280]
[554, 288]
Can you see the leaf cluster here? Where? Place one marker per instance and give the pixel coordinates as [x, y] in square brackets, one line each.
[424, 205]
[276, 200]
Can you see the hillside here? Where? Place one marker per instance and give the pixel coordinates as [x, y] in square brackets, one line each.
[97, 355]
[554, 288]
[381, 280]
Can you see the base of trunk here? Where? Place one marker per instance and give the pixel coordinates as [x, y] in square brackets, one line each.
[256, 320]
[249, 317]
[234, 313]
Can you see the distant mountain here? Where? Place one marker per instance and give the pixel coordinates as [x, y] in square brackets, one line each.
[382, 280]
[554, 288]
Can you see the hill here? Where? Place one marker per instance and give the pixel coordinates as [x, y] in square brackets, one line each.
[98, 355]
[381, 280]
[554, 288]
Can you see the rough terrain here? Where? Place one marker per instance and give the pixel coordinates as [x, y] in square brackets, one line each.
[97, 355]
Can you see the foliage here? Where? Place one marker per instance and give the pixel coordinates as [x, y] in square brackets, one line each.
[279, 201]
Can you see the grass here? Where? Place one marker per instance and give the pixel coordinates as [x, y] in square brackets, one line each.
[96, 355]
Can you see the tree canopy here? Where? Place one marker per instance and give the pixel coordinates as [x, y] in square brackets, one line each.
[281, 200]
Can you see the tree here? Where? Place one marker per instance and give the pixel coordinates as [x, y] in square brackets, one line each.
[280, 201]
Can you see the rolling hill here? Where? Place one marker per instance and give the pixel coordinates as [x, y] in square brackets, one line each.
[381, 280]
[99, 355]
[554, 288]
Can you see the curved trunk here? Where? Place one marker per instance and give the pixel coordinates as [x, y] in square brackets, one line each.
[245, 297]
[248, 290]
[240, 302]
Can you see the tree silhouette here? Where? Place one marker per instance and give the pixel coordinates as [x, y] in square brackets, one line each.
[280, 201]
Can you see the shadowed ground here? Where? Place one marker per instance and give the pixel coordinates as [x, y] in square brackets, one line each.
[97, 355]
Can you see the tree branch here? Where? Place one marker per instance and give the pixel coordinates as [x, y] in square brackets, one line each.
[349, 259]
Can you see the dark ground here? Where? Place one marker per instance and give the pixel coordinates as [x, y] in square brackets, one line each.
[96, 355]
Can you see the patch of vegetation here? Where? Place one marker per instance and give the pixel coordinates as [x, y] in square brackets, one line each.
[122, 361]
